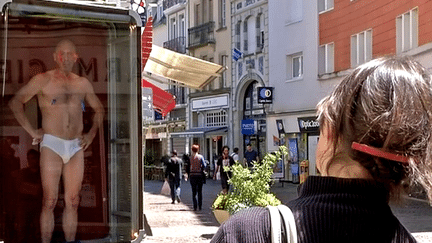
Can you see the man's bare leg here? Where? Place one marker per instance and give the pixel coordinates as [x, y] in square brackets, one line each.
[73, 173]
[51, 168]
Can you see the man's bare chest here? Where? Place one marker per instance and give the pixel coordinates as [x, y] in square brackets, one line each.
[59, 92]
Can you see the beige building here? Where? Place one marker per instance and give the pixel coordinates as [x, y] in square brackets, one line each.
[209, 113]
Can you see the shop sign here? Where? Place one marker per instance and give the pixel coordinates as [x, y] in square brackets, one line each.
[147, 104]
[308, 124]
[248, 127]
[265, 95]
[258, 112]
[280, 127]
[211, 102]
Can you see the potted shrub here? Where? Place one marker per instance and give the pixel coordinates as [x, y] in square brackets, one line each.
[249, 187]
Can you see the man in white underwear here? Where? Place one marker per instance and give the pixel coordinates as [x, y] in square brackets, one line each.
[61, 95]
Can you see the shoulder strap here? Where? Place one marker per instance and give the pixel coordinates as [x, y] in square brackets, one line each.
[285, 214]
[289, 221]
[275, 222]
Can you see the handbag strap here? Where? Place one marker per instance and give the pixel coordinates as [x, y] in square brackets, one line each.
[275, 223]
[285, 214]
[289, 221]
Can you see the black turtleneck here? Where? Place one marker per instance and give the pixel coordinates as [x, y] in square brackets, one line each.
[328, 209]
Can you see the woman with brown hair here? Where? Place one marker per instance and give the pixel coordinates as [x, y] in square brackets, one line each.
[195, 173]
[376, 138]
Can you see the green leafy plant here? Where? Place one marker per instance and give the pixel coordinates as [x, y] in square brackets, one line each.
[250, 187]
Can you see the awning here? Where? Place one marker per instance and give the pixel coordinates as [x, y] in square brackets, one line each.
[163, 101]
[186, 70]
[200, 131]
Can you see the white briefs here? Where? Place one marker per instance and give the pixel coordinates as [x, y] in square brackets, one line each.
[66, 149]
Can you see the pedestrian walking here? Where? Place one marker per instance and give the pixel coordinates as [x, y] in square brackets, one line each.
[250, 156]
[235, 155]
[375, 135]
[173, 175]
[196, 175]
[223, 162]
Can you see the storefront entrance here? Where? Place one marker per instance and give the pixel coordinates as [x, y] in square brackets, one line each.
[254, 127]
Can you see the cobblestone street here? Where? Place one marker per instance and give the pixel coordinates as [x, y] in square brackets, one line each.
[179, 223]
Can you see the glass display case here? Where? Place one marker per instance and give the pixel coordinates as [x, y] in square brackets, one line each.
[70, 78]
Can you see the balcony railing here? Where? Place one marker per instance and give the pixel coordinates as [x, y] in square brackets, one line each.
[201, 35]
[178, 44]
[169, 3]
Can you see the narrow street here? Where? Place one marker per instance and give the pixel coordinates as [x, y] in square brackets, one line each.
[179, 223]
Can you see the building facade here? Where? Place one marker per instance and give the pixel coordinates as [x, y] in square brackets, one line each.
[249, 70]
[169, 31]
[293, 51]
[207, 111]
[354, 32]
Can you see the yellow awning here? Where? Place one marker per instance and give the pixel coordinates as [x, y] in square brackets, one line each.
[188, 71]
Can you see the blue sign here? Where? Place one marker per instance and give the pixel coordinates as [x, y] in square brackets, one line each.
[237, 54]
[248, 127]
[265, 95]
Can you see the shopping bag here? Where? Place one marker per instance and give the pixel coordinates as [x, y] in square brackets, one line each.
[166, 189]
[218, 176]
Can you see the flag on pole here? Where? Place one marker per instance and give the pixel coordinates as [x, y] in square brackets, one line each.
[236, 54]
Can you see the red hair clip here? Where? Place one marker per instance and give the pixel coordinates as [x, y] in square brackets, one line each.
[379, 153]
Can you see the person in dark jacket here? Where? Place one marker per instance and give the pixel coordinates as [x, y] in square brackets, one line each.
[224, 161]
[173, 175]
[375, 137]
[250, 156]
[195, 171]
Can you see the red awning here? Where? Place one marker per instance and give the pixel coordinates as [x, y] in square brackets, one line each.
[163, 101]
[146, 42]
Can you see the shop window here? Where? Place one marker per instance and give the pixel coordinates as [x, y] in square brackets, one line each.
[105, 106]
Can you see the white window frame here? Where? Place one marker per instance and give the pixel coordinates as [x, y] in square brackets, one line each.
[173, 24]
[223, 13]
[294, 11]
[182, 26]
[245, 36]
[160, 11]
[300, 66]
[216, 119]
[407, 31]
[291, 59]
[198, 10]
[326, 5]
[361, 47]
[326, 59]
[224, 63]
